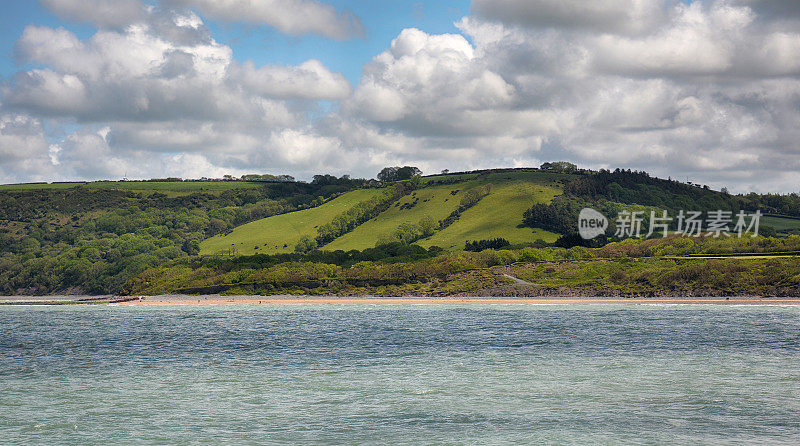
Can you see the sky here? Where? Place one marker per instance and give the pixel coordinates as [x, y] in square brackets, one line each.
[703, 91]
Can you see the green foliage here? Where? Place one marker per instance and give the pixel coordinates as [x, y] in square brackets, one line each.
[281, 232]
[396, 173]
[408, 233]
[305, 245]
[480, 245]
[560, 166]
[631, 187]
[95, 237]
[627, 267]
[88, 240]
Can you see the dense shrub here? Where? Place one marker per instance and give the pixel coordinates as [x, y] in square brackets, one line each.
[480, 245]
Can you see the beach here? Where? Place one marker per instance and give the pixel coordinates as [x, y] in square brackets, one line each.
[215, 299]
[333, 300]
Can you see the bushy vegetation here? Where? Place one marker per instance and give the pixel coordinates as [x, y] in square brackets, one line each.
[631, 267]
[408, 232]
[481, 245]
[281, 233]
[611, 192]
[89, 240]
[632, 187]
[560, 166]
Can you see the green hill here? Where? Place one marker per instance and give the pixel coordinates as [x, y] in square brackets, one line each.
[94, 237]
[434, 201]
[157, 186]
[782, 224]
[281, 233]
[499, 214]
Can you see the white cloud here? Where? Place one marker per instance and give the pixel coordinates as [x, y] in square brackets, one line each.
[142, 99]
[707, 90]
[138, 75]
[704, 90]
[433, 84]
[116, 14]
[294, 17]
[309, 80]
[24, 149]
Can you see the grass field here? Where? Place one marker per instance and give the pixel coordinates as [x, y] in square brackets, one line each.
[281, 233]
[436, 201]
[39, 186]
[497, 215]
[140, 186]
[781, 224]
[459, 177]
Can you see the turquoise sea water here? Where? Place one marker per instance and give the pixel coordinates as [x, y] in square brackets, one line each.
[400, 375]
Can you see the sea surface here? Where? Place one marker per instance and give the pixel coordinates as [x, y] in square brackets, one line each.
[683, 374]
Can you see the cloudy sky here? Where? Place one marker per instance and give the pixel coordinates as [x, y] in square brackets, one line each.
[101, 89]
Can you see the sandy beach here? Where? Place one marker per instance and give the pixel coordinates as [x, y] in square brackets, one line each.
[370, 300]
[376, 300]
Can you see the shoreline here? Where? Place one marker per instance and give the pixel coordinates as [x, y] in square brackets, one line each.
[171, 300]
[410, 300]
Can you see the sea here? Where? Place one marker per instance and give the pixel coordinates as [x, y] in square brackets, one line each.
[405, 374]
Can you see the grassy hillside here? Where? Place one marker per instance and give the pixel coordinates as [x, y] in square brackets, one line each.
[94, 237]
[497, 215]
[435, 201]
[781, 224]
[169, 188]
[281, 233]
[88, 240]
[500, 213]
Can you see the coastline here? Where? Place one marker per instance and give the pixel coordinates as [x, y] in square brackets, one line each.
[300, 300]
[471, 300]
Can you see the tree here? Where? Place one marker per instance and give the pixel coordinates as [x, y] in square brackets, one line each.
[387, 174]
[390, 174]
[305, 245]
[560, 166]
[407, 172]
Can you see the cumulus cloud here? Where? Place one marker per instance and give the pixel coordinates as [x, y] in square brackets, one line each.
[138, 75]
[309, 80]
[116, 14]
[598, 15]
[433, 84]
[24, 149]
[703, 90]
[294, 17]
[143, 99]
[706, 90]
